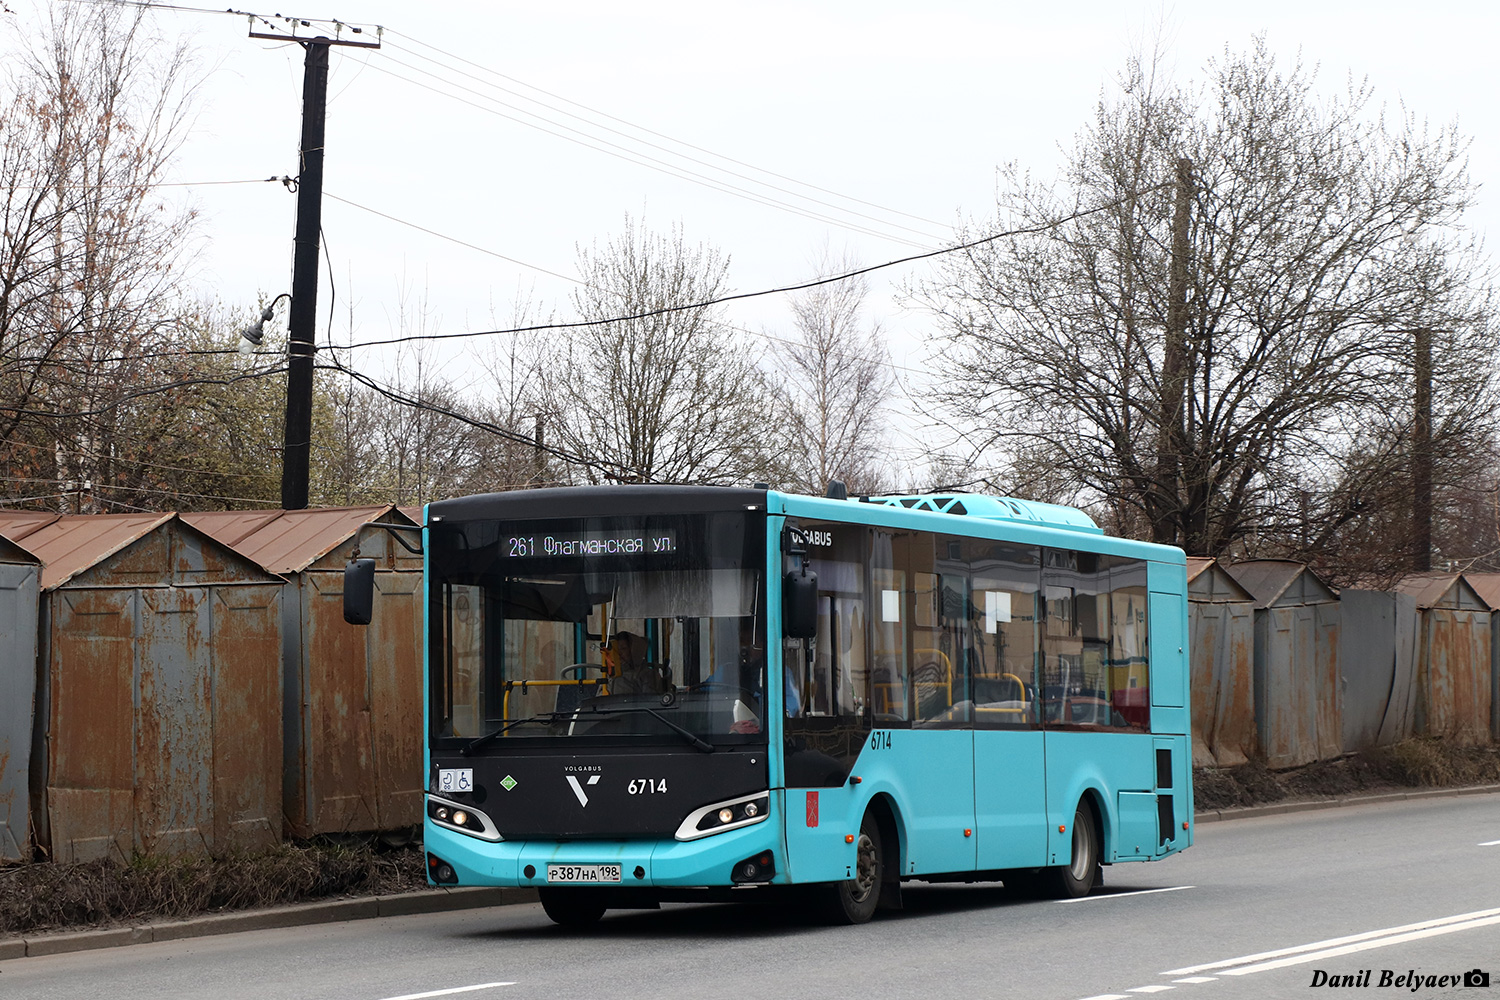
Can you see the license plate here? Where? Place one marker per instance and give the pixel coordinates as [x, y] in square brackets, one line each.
[583, 873]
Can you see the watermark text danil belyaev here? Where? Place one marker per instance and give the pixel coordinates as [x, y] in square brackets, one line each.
[1391, 979]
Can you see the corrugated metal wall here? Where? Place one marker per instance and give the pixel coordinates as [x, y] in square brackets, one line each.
[1223, 684]
[1297, 696]
[353, 706]
[1378, 666]
[1494, 676]
[1453, 676]
[358, 748]
[163, 727]
[20, 584]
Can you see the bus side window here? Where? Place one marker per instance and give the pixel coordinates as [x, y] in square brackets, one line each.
[1004, 604]
[1129, 677]
[890, 666]
[836, 683]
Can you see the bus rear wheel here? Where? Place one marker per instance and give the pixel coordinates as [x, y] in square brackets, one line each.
[853, 900]
[1077, 877]
[572, 907]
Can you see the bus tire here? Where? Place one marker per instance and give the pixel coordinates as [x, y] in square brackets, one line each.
[1077, 877]
[572, 907]
[853, 901]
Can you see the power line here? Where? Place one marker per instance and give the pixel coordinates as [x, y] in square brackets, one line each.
[648, 131]
[740, 296]
[645, 142]
[450, 239]
[650, 162]
[690, 175]
[610, 472]
[154, 390]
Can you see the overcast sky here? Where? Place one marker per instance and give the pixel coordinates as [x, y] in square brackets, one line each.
[907, 110]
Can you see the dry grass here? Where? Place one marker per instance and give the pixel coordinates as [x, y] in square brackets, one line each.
[1415, 763]
[48, 896]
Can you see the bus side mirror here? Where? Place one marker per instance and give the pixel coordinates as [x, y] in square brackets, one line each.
[359, 591]
[799, 605]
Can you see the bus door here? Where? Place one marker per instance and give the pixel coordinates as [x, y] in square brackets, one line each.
[1009, 768]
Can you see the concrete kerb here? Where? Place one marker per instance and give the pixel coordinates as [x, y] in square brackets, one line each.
[295, 915]
[408, 903]
[1280, 808]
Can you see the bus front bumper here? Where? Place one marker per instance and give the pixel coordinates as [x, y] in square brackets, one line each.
[711, 861]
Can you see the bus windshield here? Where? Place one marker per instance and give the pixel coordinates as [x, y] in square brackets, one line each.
[647, 629]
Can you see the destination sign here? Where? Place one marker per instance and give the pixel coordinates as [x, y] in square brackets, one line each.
[592, 543]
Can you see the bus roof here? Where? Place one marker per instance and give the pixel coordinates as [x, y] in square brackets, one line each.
[995, 509]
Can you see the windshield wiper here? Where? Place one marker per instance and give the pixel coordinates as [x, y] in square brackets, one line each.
[480, 741]
[687, 734]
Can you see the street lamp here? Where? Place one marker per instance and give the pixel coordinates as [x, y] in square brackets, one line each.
[252, 335]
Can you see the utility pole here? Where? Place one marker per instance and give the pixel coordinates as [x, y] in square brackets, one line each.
[302, 322]
[1421, 455]
[540, 455]
[1171, 434]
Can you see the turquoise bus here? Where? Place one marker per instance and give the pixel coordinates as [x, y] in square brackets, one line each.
[647, 693]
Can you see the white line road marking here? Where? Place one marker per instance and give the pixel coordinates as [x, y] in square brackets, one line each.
[1151, 989]
[1108, 996]
[1319, 946]
[1363, 946]
[1490, 843]
[1196, 979]
[1117, 895]
[449, 992]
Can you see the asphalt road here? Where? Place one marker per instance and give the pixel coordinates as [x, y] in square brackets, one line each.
[1257, 909]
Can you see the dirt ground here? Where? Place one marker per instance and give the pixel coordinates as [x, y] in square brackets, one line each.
[47, 897]
[1418, 763]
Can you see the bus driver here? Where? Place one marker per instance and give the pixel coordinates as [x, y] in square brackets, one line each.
[625, 667]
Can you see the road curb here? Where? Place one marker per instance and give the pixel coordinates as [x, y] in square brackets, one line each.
[296, 915]
[1251, 812]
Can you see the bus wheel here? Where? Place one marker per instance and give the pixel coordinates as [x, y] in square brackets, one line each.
[572, 907]
[1076, 878]
[853, 900]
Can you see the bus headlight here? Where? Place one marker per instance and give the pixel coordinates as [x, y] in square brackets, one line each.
[465, 819]
[721, 816]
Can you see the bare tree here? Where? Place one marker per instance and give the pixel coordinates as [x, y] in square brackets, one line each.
[91, 258]
[1304, 231]
[649, 391]
[836, 383]
[513, 400]
[423, 445]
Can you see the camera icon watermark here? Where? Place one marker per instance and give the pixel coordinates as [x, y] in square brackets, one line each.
[1477, 977]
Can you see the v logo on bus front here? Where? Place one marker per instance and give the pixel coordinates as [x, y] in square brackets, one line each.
[583, 798]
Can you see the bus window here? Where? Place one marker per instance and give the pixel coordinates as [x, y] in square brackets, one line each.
[1003, 608]
[828, 701]
[1075, 676]
[1129, 685]
[463, 621]
[890, 664]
